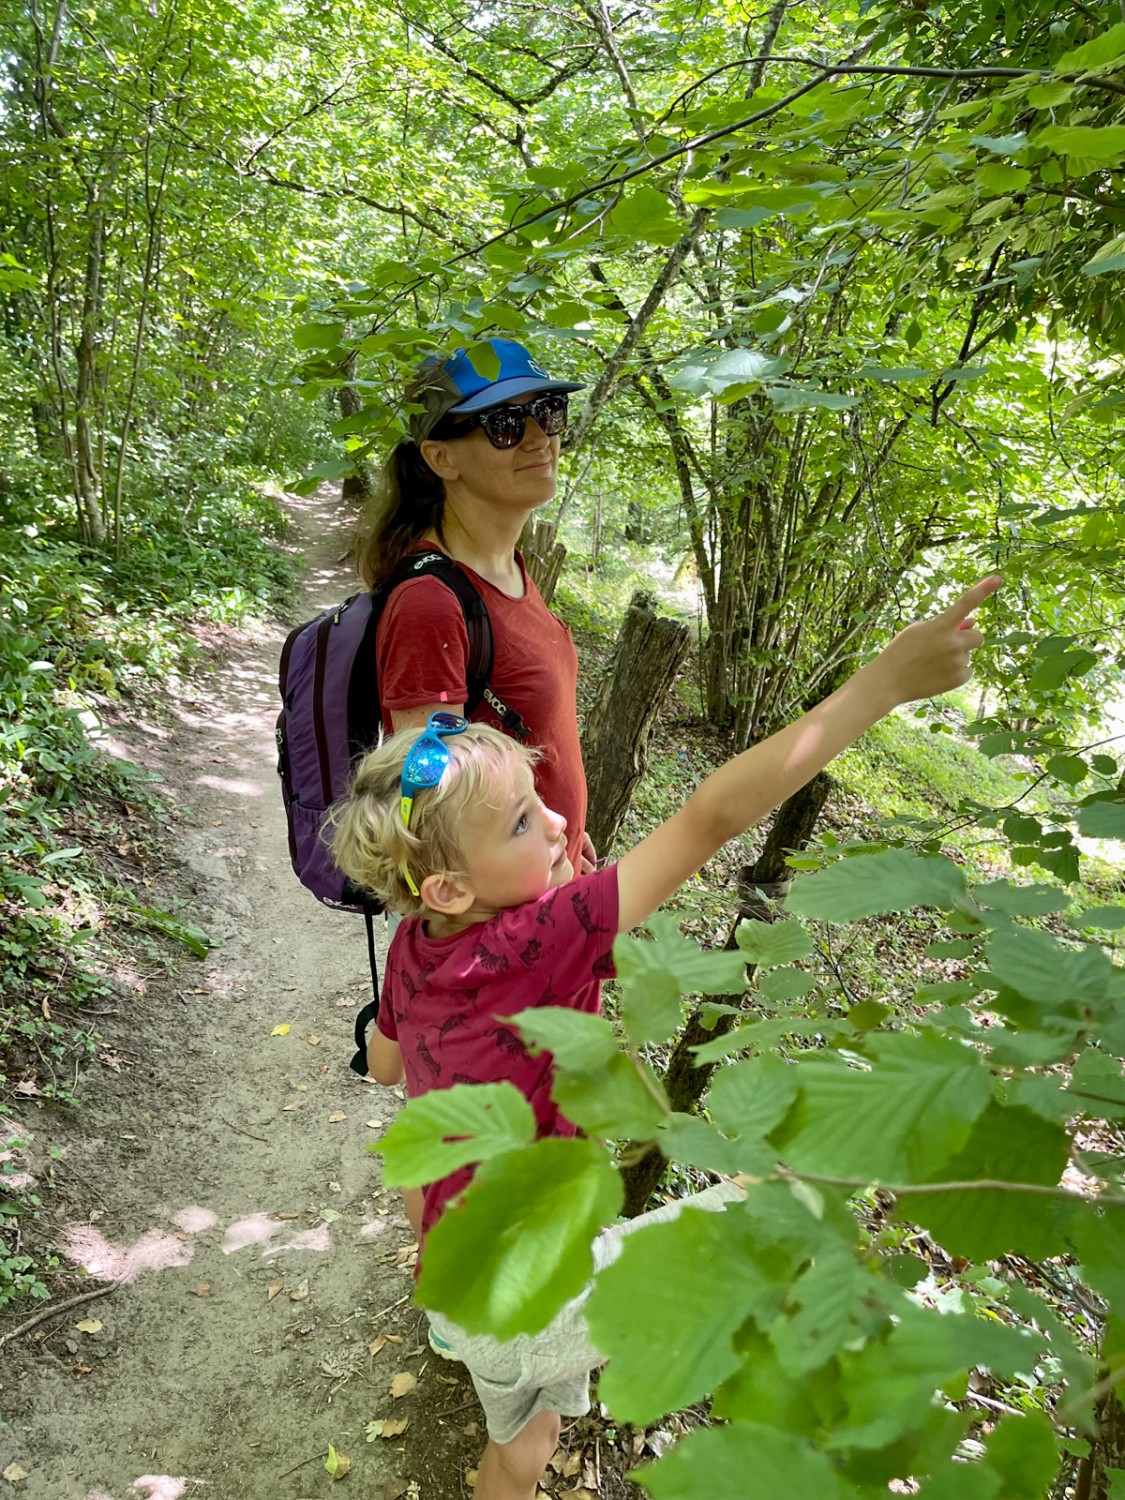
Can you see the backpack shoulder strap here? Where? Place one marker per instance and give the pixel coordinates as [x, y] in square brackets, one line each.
[478, 625]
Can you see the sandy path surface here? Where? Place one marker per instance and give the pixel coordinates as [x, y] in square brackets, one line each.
[220, 1176]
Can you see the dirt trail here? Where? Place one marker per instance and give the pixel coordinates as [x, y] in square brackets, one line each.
[221, 1161]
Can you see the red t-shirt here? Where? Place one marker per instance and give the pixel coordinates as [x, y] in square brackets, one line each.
[444, 999]
[421, 652]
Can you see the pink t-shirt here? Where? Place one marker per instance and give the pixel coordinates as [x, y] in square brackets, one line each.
[445, 999]
[421, 653]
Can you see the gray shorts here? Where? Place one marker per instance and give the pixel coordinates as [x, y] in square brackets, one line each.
[550, 1371]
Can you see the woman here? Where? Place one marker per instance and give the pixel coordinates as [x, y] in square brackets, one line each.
[482, 455]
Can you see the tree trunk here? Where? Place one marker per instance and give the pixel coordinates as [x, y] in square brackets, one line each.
[363, 483]
[766, 880]
[648, 654]
[88, 479]
[543, 554]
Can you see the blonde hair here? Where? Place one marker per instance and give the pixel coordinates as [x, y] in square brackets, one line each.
[369, 842]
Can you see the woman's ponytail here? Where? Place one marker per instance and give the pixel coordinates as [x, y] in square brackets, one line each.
[410, 502]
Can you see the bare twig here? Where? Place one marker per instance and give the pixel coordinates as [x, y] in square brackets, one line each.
[57, 1308]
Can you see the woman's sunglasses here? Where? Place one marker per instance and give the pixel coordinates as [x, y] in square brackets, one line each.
[425, 766]
[504, 426]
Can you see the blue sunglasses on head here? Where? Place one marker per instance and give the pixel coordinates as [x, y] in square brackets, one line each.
[424, 767]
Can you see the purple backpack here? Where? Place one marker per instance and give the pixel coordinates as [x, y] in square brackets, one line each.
[331, 715]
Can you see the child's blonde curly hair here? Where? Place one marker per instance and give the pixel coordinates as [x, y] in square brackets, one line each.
[369, 842]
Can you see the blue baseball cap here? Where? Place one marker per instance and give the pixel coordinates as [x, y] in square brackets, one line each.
[450, 383]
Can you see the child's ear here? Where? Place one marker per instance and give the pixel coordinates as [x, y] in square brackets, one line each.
[440, 460]
[447, 894]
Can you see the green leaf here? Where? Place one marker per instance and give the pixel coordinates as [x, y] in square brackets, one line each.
[833, 1303]
[743, 218]
[1102, 49]
[744, 1461]
[1102, 820]
[516, 1247]
[697, 1325]
[318, 335]
[482, 1119]
[645, 215]
[1098, 1084]
[194, 939]
[768, 944]
[621, 1098]
[1007, 1144]
[750, 1097]
[655, 975]
[1000, 177]
[892, 372]
[1001, 145]
[1100, 143]
[802, 397]
[1070, 769]
[900, 1120]
[779, 985]
[1108, 917]
[1036, 966]
[1109, 257]
[1020, 900]
[694, 1143]
[574, 1038]
[1055, 669]
[708, 372]
[887, 1382]
[869, 884]
[484, 358]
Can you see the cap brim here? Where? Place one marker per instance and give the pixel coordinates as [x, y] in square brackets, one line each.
[504, 390]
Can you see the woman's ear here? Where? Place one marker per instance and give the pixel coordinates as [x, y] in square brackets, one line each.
[438, 457]
[451, 895]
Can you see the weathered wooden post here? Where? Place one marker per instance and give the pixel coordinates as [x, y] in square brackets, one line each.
[543, 553]
[648, 654]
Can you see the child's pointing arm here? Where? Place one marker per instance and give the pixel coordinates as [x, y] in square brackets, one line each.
[923, 660]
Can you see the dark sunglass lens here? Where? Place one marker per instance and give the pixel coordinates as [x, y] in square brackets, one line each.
[550, 413]
[504, 427]
[442, 722]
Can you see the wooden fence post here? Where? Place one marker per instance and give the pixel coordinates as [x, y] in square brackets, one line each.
[619, 726]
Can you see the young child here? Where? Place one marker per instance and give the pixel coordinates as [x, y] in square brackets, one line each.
[447, 828]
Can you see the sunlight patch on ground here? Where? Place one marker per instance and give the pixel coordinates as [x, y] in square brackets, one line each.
[156, 1250]
[309, 1239]
[194, 1220]
[255, 1229]
[225, 784]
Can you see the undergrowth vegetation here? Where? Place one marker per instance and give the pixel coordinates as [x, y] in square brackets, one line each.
[82, 637]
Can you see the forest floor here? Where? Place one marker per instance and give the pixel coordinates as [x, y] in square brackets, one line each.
[214, 1184]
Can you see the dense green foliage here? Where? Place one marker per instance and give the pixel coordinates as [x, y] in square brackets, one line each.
[843, 282]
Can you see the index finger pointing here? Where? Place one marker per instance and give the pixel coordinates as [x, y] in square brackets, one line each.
[972, 598]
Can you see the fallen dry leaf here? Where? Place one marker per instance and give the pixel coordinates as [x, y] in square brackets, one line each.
[394, 1489]
[28, 1089]
[471, 1429]
[282, 1030]
[285, 1214]
[83, 1369]
[403, 1383]
[336, 1116]
[45, 1009]
[89, 1325]
[299, 1293]
[394, 1338]
[376, 1344]
[202, 1290]
[471, 1477]
[13, 1473]
[393, 1427]
[314, 1041]
[288, 1108]
[272, 1291]
[373, 1124]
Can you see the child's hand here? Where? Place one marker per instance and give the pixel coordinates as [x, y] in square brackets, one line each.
[933, 656]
